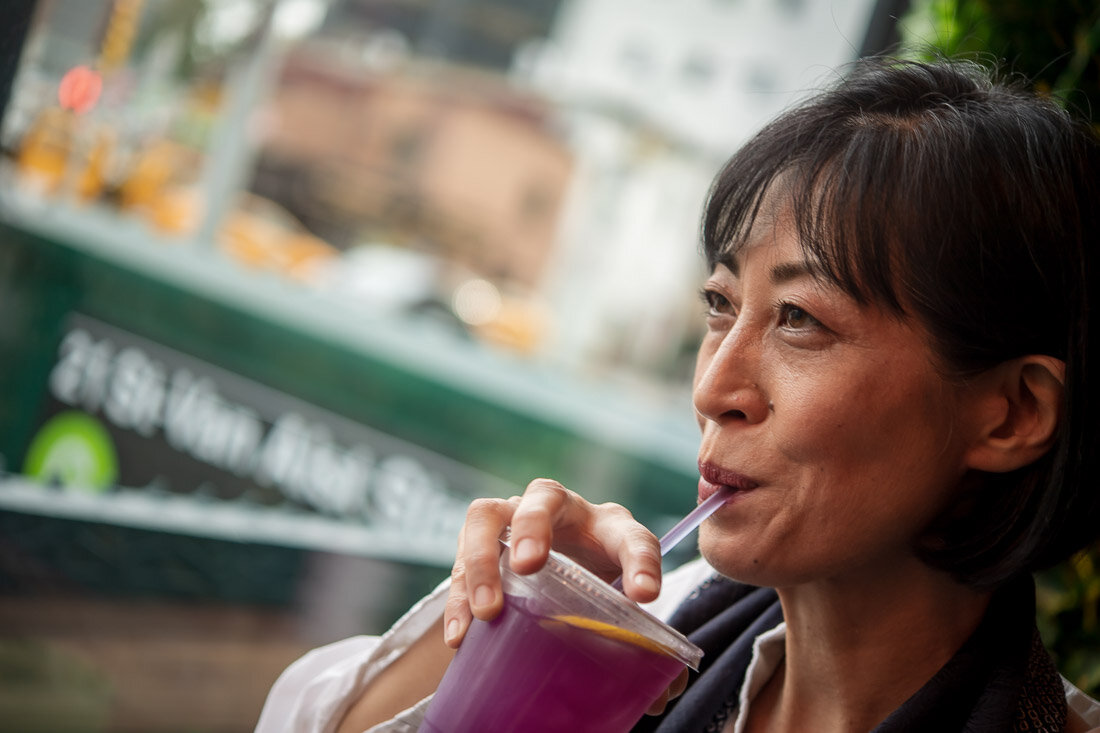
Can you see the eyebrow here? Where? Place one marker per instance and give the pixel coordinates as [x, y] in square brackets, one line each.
[782, 273]
[787, 271]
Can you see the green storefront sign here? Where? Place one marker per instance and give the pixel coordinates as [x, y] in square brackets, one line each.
[160, 389]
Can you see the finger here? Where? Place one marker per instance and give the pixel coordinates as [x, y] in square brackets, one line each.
[540, 508]
[478, 565]
[456, 613]
[671, 693]
[658, 706]
[606, 538]
[679, 684]
[634, 548]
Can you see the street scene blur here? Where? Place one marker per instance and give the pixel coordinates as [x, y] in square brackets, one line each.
[286, 283]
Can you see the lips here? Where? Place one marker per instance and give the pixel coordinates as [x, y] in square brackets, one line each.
[713, 477]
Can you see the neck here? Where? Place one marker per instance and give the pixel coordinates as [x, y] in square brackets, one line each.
[856, 651]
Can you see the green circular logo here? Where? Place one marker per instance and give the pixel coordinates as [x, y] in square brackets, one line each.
[73, 449]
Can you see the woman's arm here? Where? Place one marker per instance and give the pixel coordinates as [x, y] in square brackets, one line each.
[318, 691]
[410, 678]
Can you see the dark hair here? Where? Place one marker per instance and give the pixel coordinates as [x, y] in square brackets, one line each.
[971, 204]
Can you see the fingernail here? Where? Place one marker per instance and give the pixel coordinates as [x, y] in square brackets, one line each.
[525, 550]
[646, 582]
[453, 627]
[483, 596]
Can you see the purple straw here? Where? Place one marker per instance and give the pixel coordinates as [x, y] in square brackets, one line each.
[693, 519]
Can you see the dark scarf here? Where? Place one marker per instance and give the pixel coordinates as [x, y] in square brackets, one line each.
[1000, 680]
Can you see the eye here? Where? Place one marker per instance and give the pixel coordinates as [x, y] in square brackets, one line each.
[716, 304]
[795, 318]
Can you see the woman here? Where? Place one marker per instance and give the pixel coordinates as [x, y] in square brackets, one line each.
[893, 380]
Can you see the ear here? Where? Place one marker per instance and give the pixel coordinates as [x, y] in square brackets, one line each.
[1018, 412]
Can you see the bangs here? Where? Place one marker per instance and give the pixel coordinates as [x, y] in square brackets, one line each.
[845, 201]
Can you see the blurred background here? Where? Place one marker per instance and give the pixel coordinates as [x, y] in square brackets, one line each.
[285, 283]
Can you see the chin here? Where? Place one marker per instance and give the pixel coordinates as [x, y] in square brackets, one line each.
[732, 562]
[746, 564]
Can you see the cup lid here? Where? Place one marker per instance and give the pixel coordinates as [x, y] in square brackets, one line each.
[565, 588]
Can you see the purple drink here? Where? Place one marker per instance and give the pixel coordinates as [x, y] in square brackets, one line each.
[553, 660]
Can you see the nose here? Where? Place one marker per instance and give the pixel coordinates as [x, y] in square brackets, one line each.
[727, 386]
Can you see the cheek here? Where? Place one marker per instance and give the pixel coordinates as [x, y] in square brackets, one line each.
[811, 413]
[873, 417]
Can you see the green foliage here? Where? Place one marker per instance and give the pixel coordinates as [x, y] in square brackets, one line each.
[1068, 604]
[1055, 44]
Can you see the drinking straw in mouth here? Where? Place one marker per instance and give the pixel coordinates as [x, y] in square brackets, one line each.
[685, 526]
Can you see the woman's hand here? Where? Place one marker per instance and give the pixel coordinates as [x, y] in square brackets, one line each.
[605, 538]
[674, 691]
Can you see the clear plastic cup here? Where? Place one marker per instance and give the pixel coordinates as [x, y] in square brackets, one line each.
[567, 653]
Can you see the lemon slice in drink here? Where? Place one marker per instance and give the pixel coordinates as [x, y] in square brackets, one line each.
[610, 631]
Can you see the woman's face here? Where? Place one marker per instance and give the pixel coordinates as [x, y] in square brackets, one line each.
[830, 417]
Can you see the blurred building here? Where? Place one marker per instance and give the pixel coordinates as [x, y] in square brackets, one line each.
[579, 178]
[479, 33]
[451, 161]
[655, 96]
[705, 73]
